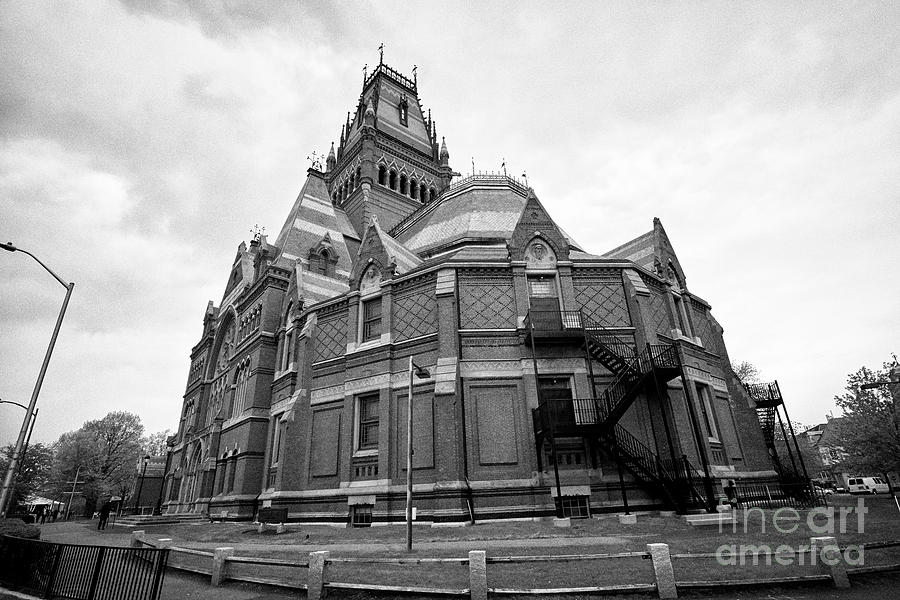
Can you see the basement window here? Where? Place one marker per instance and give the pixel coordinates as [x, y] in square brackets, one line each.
[575, 507]
[361, 515]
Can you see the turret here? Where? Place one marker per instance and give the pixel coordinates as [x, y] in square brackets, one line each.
[331, 160]
[445, 155]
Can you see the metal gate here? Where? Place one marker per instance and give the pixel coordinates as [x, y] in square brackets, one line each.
[82, 572]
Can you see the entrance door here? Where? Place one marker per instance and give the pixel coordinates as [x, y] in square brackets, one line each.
[556, 392]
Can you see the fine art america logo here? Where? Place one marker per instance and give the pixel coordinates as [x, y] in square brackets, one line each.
[821, 521]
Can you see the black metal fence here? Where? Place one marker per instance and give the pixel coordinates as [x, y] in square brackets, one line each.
[795, 494]
[82, 572]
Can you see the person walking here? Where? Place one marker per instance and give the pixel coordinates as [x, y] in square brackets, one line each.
[104, 515]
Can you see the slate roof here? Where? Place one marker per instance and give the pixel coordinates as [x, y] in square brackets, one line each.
[382, 83]
[400, 256]
[312, 218]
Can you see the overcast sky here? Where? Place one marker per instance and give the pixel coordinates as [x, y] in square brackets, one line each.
[140, 141]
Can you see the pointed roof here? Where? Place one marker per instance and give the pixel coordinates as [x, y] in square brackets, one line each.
[312, 224]
[652, 251]
[383, 91]
[396, 253]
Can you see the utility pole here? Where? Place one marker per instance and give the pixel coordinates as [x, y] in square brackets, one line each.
[72, 493]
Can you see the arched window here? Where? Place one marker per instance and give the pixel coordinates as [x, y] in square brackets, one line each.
[403, 183]
[352, 183]
[432, 194]
[393, 180]
[382, 175]
[413, 189]
[358, 176]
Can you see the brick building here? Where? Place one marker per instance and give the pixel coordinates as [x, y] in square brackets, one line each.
[559, 381]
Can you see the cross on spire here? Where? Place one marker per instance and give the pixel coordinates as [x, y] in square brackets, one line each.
[381, 53]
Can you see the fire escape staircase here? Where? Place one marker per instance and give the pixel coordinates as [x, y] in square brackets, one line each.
[633, 372]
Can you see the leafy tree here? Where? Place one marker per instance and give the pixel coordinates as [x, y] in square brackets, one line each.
[870, 431]
[103, 454]
[34, 471]
[155, 443]
[746, 372]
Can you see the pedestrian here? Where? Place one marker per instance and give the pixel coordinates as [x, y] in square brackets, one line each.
[104, 515]
[53, 515]
[44, 510]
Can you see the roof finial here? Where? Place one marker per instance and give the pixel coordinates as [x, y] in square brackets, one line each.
[331, 160]
[415, 82]
[381, 54]
[365, 72]
[445, 155]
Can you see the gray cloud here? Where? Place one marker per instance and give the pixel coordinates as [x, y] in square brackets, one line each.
[140, 141]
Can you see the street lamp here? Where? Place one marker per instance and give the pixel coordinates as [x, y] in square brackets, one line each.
[6, 493]
[137, 498]
[421, 374]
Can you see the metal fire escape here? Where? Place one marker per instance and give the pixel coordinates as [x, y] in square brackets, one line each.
[634, 372]
[768, 398]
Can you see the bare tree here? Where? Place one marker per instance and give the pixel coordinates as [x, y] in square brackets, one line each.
[746, 372]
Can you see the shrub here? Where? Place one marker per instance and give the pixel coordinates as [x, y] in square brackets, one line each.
[19, 528]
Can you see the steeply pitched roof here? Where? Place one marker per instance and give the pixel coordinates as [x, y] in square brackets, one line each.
[384, 89]
[313, 222]
[395, 252]
[652, 251]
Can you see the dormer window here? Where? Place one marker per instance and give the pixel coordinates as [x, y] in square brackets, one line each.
[404, 112]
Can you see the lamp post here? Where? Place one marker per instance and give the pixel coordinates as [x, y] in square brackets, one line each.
[421, 374]
[6, 493]
[137, 498]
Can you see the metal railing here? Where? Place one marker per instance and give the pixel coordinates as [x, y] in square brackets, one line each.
[764, 394]
[82, 572]
[796, 494]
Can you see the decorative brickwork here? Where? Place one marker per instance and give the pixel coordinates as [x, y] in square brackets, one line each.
[658, 307]
[487, 299]
[415, 309]
[331, 337]
[702, 327]
[600, 294]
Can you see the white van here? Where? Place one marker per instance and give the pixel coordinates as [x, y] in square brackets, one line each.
[867, 485]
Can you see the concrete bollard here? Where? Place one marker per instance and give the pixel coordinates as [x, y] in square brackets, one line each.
[315, 582]
[478, 575]
[629, 519]
[829, 557]
[662, 570]
[218, 566]
[163, 542]
[137, 538]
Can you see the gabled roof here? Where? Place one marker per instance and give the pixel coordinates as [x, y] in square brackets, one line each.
[395, 253]
[652, 251]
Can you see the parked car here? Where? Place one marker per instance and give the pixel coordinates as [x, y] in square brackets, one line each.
[867, 485]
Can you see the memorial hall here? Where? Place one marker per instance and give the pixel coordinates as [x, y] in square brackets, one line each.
[547, 376]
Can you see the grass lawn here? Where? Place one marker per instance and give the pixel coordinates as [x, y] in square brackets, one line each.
[880, 521]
